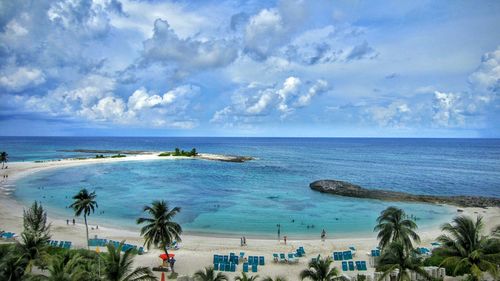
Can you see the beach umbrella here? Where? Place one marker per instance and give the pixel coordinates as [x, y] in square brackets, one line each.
[165, 257]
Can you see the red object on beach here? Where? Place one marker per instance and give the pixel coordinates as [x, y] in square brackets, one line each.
[164, 256]
[163, 276]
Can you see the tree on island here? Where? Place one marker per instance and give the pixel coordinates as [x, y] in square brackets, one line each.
[393, 227]
[466, 250]
[320, 270]
[396, 257]
[159, 229]
[4, 157]
[84, 203]
[177, 152]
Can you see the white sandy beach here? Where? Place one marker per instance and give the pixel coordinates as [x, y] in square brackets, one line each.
[196, 251]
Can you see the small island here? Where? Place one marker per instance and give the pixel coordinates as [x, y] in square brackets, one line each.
[342, 188]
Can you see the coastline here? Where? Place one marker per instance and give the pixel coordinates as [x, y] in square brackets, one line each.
[197, 249]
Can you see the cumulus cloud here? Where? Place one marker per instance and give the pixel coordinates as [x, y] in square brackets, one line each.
[257, 101]
[22, 78]
[187, 54]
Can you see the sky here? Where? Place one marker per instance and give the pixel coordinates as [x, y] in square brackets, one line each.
[250, 68]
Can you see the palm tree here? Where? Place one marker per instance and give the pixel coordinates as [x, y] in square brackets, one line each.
[159, 229]
[12, 266]
[32, 248]
[118, 267]
[209, 275]
[392, 226]
[64, 268]
[84, 203]
[396, 257]
[319, 270]
[245, 277]
[466, 250]
[277, 278]
[4, 157]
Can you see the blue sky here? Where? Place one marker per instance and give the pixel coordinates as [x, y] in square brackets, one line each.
[250, 68]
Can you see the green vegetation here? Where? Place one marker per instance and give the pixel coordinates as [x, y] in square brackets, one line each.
[277, 278]
[208, 274]
[118, 267]
[179, 152]
[467, 251]
[392, 226]
[396, 257]
[84, 203]
[245, 277]
[160, 230]
[99, 156]
[119, 156]
[320, 270]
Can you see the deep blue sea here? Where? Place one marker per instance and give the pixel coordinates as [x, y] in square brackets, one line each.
[251, 198]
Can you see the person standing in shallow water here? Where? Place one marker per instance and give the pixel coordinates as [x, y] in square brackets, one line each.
[323, 235]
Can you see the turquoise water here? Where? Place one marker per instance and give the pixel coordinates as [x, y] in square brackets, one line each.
[251, 198]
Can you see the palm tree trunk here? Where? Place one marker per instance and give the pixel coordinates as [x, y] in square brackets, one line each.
[87, 230]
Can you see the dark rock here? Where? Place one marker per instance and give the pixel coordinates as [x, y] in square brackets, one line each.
[343, 188]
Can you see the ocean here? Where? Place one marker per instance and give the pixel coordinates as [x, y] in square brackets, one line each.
[251, 198]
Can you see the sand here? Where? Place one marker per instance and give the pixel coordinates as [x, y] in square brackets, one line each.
[196, 252]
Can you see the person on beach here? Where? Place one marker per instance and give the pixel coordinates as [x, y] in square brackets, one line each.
[73, 221]
[172, 262]
[67, 222]
[323, 235]
[284, 239]
[241, 241]
[244, 241]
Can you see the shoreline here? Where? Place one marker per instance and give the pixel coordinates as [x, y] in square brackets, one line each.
[196, 249]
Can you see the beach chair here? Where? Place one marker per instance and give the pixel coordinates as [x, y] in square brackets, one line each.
[344, 266]
[363, 265]
[254, 267]
[298, 253]
[242, 254]
[233, 267]
[226, 259]
[222, 266]
[358, 265]
[335, 256]
[292, 258]
[216, 259]
[61, 244]
[351, 265]
[250, 260]
[282, 258]
[301, 249]
[140, 251]
[261, 260]
[275, 257]
[227, 267]
[216, 266]
[245, 267]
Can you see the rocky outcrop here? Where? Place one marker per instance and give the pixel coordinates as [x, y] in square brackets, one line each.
[347, 189]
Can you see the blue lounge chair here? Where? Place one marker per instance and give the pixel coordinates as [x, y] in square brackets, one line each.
[261, 260]
[335, 256]
[250, 260]
[358, 265]
[254, 267]
[216, 266]
[351, 265]
[227, 267]
[363, 265]
[282, 257]
[236, 260]
[301, 249]
[216, 259]
[344, 266]
[233, 267]
[226, 259]
[222, 266]
[245, 267]
[140, 251]
[242, 254]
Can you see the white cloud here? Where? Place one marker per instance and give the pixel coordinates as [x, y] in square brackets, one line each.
[258, 101]
[22, 78]
[186, 54]
[447, 110]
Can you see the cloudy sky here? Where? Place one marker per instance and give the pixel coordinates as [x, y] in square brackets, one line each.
[250, 68]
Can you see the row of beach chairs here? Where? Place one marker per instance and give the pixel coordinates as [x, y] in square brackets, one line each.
[339, 256]
[288, 258]
[60, 244]
[230, 262]
[97, 242]
[352, 265]
[375, 253]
